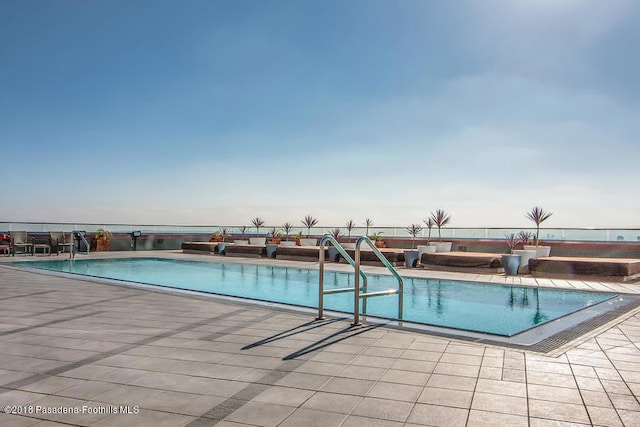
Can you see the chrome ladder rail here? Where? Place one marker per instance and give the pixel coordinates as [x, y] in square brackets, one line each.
[321, 292]
[365, 294]
[75, 233]
[358, 274]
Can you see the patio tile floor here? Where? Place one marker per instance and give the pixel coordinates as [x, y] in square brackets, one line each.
[184, 360]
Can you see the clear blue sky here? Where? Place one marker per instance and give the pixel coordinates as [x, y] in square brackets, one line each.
[214, 112]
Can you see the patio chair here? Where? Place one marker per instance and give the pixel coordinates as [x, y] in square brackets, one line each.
[59, 242]
[21, 242]
[5, 244]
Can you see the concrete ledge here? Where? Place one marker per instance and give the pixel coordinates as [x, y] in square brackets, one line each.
[615, 269]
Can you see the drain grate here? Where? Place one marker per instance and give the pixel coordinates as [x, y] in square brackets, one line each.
[563, 338]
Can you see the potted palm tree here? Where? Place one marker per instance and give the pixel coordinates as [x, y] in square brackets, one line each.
[222, 245]
[272, 246]
[257, 223]
[349, 226]
[411, 256]
[524, 237]
[538, 216]
[242, 240]
[287, 228]
[511, 261]
[309, 221]
[368, 223]
[334, 255]
[428, 248]
[440, 218]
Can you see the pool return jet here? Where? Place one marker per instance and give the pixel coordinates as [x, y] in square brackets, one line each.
[358, 292]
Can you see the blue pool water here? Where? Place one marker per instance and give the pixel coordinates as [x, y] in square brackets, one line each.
[478, 307]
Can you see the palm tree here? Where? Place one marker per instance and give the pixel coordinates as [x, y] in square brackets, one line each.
[538, 216]
[429, 222]
[335, 233]
[368, 223]
[440, 219]
[309, 221]
[287, 228]
[349, 226]
[257, 222]
[525, 237]
[414, 230]
[512, 241]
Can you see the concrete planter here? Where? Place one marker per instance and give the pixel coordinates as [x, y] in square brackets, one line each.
[525, 256]
[288, 243]
[241, 242]
[334, 255]
[257, 240]
[425, 249]
[541, 251]
[441, 246]
[221, 248]
[411, 258]
[308, 242]
[511, 264]
[271, 249]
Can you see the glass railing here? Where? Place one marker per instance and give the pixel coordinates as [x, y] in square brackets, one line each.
[559, 234]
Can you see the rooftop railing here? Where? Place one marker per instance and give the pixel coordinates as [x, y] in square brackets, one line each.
[557, 234]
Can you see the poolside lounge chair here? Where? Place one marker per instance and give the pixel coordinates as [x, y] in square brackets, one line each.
[59, 242]
[21, 242]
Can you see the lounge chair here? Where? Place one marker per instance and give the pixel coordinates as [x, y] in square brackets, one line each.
[59, 242]
[21, 242]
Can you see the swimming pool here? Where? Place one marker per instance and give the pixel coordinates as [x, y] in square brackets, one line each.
[478, 307]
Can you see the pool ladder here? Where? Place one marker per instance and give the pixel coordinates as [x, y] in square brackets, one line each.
[359, 292]
[80, 236]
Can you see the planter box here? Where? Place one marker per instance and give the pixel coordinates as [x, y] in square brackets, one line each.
[221, 248]
[257, 240]
[541, 251]
[102, 245]
[525, 256]
[271, 249]
[411, 258]
[511, 264]
[308, 242]
[441, 246]
[424, 249]
[334, 255]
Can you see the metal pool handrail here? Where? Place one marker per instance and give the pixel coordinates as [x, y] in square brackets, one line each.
[80, 236]
[321, 292]
[358, 274]
[365, 294]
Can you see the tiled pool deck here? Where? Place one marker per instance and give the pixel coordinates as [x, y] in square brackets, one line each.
[184, 360]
